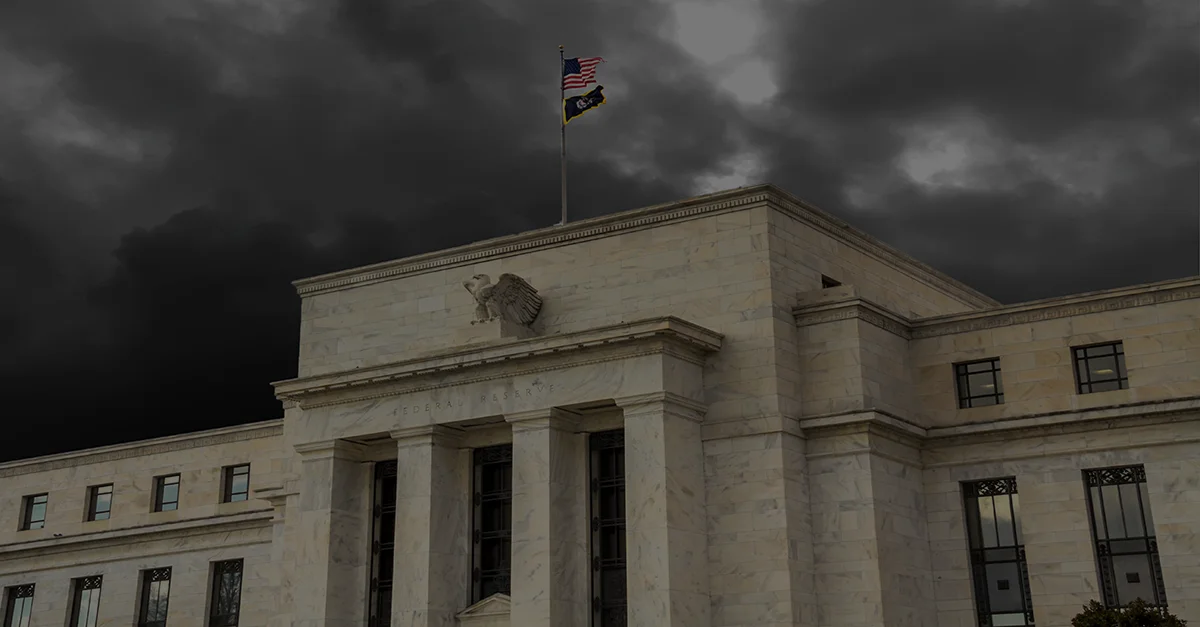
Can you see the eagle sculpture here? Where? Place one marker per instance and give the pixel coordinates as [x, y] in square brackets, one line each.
[511, 298]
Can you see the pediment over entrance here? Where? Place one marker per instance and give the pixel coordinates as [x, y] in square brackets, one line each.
[490, 612]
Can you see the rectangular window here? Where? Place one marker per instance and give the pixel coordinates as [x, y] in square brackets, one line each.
[18, 606]
[383, 544]
[608, 528]
[99, 502]
[492, 509]
[1100, 368]
[85, 604]
[235, 483]
[34, 516]
[1126, 548]
[227, 594]
[979, 383]
[997, 554]
[166, 493]
[156, 588]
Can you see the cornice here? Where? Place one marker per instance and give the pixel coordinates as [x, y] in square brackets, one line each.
[670, 331]
[1054, 308]
[550, 237]
[636, 219]
[156, 446]
[222, 523]
[1110, 416]
[853, 307]
[850, 309]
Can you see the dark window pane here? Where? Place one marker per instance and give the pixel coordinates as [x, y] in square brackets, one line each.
[1100, 368]
[979, 383]
[492, 531]
[998, 570]
[608, 528]
[18, 610]
[1126, 549]
[227, 593]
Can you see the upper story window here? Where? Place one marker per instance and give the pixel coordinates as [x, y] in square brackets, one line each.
[827, 282]
[166, 493]
[1126, 547]
[492, 533]
[235, 483]
[85, 602]
[1100, 368]
[34, 511]
[227, 594]
[156, 588]
[18, 607]
[979, 383]
[99, 502]
[998, 567]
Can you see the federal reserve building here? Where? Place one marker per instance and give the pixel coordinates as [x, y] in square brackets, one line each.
[729, 411]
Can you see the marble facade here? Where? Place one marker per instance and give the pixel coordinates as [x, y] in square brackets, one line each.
[794, 452]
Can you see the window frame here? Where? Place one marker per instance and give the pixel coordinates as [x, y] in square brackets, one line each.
[28, 503]
[962, 383]
[228, 619]
[491, 459]
[93, 496]
[603, 459]
[981, 555]
[150, 577]
[228, 474]
[1096, 479]
[1079, 363]
[13, 594]
[160, 484]
[79, 586]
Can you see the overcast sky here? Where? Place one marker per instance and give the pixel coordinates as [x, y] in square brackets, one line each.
[167, 167]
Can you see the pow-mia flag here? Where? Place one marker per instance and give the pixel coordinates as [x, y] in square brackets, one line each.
[576, 105]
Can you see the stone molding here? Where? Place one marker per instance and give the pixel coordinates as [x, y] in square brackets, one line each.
[1051, 309]
[220, 523]
[548, 418]
[428, 435]
[325, 449]
[668, 335]
[662, 402]
[638, 219]
[156, 446]
[1050, 423]
[1021, 313]
[852, 309]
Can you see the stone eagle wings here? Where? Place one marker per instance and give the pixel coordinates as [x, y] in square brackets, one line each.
[511, 298]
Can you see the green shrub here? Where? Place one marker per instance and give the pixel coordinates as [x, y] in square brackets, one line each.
[1136, 614]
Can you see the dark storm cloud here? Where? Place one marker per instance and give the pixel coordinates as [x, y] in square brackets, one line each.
[221, 150]
[1112, 88]
[167, 167]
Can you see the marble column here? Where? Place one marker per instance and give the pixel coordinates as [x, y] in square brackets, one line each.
[432, 576]
[332, 550]
[550, 520]
[665, 524]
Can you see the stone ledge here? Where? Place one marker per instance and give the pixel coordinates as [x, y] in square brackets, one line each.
[637, 219]
[155, 446]
[221, 523]
[689, 337]
[844, 303]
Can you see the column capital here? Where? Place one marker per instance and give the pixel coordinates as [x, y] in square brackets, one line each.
[437, 435]
[662, 402]
[325, 449]
[547, 418]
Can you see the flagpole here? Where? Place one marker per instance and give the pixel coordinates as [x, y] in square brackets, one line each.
[562, 97]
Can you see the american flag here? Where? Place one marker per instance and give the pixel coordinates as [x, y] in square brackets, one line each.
[580, 72]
